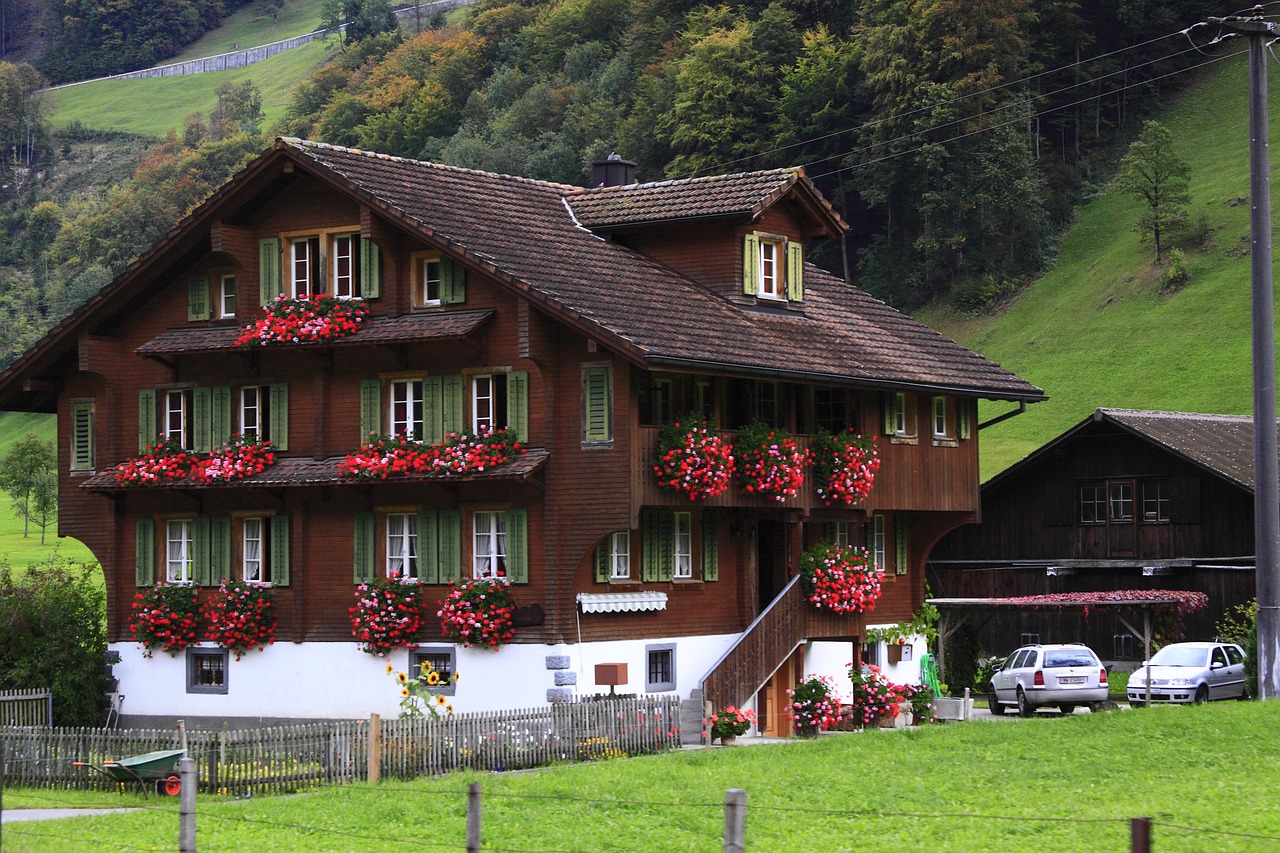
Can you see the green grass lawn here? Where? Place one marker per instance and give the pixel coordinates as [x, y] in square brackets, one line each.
[1202, 773]
[249, 27]
[1097, 331]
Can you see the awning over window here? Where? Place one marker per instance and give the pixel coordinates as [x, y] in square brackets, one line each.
[621, 602]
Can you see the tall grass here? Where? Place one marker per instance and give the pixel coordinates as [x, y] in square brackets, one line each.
[1048, 784]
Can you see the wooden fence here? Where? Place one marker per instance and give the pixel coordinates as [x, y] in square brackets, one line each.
[26, 708]
[285, 759]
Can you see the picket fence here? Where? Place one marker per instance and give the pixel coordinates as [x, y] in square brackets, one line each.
[26, 708]
[285, 759]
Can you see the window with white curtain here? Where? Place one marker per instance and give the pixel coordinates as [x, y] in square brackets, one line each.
[178, 551]
[252, 551]
[683, 545]
[402, 545]
[489, 554]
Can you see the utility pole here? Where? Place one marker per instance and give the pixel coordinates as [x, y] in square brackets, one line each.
[1266, 470]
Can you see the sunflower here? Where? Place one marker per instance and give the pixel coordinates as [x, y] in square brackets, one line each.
[433, 678]
[402, 678]
[440, 700]
[404, 692]
[450, 707]
[388, 667]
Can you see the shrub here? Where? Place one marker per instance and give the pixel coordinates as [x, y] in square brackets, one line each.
[1175, 275]
[53, 634]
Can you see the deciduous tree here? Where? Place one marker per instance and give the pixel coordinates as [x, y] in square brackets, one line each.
[1155, 173]
[25, 471]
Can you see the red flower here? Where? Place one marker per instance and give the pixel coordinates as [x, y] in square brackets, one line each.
[164, 617]
[478, 612]
[694, 460]
[306, 320]
[845, 467]
[843, 580]
[769, 462]
[386, 615]
[241, 617]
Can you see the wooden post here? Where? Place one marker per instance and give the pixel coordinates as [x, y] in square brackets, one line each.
[187, 804]
[735, 821]
[1140, 835]
[374, 749]
[473, 818]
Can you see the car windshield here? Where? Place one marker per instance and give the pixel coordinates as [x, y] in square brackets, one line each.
[1179, 656]
[1068, 657]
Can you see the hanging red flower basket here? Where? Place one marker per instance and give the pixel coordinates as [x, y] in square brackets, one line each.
[309, 319]
[843, 580]
[769, 462]
[241, 617]
[166, 462]
[844, 467]
[479, 612]
[459, 454]
[386, 615]
[694, 460]
[164, 617]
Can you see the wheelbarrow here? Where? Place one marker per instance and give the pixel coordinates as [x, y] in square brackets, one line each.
[157, 770]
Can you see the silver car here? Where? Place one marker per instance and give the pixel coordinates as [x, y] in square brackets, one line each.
[1190, 672]
[1062, 675]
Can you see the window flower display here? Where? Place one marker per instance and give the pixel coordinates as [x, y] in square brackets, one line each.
[164, 617]
[693, 459]
[309, 319]
[166, 462]
[241, 617]
[843, 580]
[844, 467]
[769, 462]
[386, 615]
[479, 612]
[459, 454]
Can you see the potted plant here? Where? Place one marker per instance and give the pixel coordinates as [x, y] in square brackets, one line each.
[843, 580]
[769, 462]
[874, 697]
[308, 319]
[730, 723]
[241, 617]
[815, 706]
[386, 615]
[844, 467]
[165, 617]
[693, 459]
[479, 612]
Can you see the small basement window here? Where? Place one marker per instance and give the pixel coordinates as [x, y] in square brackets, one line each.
[207, 670]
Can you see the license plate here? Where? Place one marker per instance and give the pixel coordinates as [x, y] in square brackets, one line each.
[1071, 679]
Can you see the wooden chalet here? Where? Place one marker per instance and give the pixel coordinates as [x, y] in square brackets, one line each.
[1123, 500]
[581, 319]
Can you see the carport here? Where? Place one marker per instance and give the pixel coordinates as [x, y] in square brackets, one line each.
[1134, 606]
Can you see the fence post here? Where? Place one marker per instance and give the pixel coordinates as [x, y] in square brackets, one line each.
[473, 818]
[187, 804]
[735, 821]
[1140, 835]
[374, 749]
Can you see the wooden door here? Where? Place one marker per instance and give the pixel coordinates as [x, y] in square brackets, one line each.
[772, 702]
[1122, 521]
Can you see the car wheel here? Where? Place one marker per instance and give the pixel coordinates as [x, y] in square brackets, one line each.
[1025, 708]
[993, 703]
[1067, 709]
[1202, 694]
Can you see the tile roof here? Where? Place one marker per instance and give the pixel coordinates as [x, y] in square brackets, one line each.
[406, 328]
[300, 471]
[1221, 443]
[524, 231]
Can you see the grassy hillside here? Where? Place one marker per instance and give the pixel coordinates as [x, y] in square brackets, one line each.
[249, 27]
[14, 548]
[1096, 331]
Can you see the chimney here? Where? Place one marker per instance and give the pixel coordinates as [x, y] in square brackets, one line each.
[613, 171]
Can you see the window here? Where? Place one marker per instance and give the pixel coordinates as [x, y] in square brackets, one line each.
[878, 541]
[597, 405]
[1122, 646]
[406, 408]
[773, 268]
[1234, 655]
[830, 412]
[620, 556]
[177, 418]
[227, 297]
[770, 281]
[940, 417]
[252, 551]
[253, 414]
[207, 670]
[402, 545]
[437, 280]
[178, 551]
[1093, 503]
[751, 400]
[442, 659]
[82, 435]
[1120, 496]
[660, 667]
[896, 415]
[489, 402]
[683, 541]
[345, 262]
[427, 294]
[489, 553]
[304, 267]
[1155, 500]
[836, 533]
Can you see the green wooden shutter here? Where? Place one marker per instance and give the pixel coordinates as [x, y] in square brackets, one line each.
[666, 545]
[596, 412]
[200, 564]
[453, 282]
[795, 271]
[279, 542]
[751, 265]
[370, 408]
[964, 415]
[887, 426]
[144, 573]
[364, 547]
[900, 525]
[518, 404]
[517, 537]
[202, 418]
[710, 547]
[146, 418]
[198, 297]
[603, 559]
[428, 547]
[450, 545]
[433, 409]
[268, 270]
[219, 415]
[81, 436]
[278, 428]
[370, 269]
[220, 549]
[454, 420]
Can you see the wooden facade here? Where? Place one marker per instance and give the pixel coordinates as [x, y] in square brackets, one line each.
[1124, 500]
[518, 325]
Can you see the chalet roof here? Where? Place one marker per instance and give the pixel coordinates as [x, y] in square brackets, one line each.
[294, 471]
[1220, 444]
[745, 194]
[409, 327]
[650, 312]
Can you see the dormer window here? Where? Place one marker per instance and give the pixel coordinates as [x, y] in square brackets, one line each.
[304, 267]
[437, 280]
[773, 268]
[339, 262]
[346, 265]
[770, 282]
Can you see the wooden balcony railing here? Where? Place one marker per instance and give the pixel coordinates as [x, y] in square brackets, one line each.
[788, 621]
